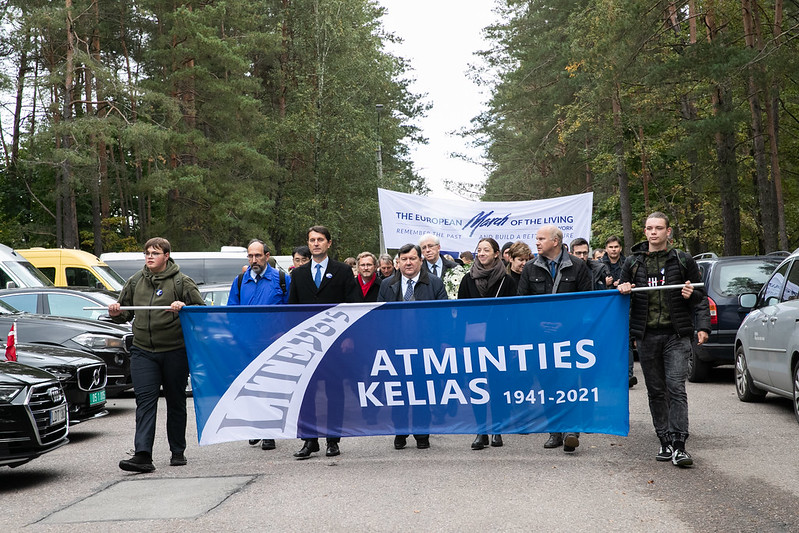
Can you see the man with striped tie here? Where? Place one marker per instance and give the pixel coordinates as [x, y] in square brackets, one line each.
[414, 283]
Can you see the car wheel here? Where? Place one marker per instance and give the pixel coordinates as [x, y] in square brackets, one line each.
[747, 392]
[796, 391]
[698, 370]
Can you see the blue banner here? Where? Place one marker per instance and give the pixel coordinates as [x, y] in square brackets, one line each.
[528, 364]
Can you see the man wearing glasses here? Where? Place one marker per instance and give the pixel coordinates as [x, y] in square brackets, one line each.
[158, 355]
[260, 284]
[434, 262]
[599, 270]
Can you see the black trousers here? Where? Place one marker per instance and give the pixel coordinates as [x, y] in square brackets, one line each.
[150, 371]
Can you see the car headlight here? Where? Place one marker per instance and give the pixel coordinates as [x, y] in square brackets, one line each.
[9, 392]
[61, 373]
[93, 341]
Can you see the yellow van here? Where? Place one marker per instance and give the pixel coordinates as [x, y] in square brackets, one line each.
[73, 268]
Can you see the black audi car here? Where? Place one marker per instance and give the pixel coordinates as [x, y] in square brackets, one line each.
[82, 376]
[33, 414]
[108, 341]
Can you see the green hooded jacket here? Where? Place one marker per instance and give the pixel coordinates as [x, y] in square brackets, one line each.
[156, 330]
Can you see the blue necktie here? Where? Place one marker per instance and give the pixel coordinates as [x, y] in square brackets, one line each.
[409, 291]
[318, 277]
[553, 268]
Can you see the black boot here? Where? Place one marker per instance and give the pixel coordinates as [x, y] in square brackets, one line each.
[480, 442]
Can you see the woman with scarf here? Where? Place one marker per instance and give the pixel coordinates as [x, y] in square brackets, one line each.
[487, 278]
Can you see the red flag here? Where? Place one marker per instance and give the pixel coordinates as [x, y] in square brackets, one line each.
[11, 344]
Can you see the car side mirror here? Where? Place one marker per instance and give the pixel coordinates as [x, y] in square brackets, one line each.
[747, 301]
[11, 285]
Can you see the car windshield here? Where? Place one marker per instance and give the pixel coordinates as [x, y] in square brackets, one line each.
[113, 279]
[28, 275]
[743, 277]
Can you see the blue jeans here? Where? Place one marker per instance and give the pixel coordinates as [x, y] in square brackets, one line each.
[151, 370]
[664, 363]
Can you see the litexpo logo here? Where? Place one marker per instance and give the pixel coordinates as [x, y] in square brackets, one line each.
[483, 219]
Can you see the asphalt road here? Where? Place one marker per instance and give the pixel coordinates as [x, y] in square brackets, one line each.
[746, 478]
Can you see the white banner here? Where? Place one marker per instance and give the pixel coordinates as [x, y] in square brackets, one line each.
[461, 224]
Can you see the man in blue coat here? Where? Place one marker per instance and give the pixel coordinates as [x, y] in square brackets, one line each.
[260, 284]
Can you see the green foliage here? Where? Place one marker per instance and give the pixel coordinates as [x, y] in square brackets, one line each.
[550, 128]
[206, 122]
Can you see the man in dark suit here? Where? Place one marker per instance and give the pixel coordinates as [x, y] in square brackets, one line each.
[414, 283]
[322, 281]
[434, 262]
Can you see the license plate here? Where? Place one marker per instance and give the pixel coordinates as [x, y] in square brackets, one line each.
[96, 397]
[58, 415]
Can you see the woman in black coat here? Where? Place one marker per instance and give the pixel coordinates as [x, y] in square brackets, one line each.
[487, 279]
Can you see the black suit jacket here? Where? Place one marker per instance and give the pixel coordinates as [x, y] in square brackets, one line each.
[446, 264]
[429, 287]
[338, 285]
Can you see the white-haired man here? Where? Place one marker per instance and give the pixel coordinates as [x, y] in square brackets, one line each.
[434, 262]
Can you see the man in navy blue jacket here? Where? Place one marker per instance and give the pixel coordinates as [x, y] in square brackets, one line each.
[413, 284]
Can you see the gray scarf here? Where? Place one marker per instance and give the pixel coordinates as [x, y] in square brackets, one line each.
[486, 277]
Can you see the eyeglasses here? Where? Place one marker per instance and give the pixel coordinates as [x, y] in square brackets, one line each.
[153, 254]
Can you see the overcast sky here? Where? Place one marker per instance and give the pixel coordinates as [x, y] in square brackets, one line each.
[440, 38]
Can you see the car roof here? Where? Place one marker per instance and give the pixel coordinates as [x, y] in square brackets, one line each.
[62, 290]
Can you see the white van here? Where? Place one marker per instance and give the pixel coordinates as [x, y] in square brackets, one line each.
[16, 271]
[203, 267]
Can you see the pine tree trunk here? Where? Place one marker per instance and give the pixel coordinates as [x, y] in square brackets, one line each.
[621, 174]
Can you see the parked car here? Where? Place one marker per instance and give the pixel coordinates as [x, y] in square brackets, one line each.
[60, 302]
[82, 376]
[73, 268]
[203, 267]
[16, 271]
[767, 343]
[108, 341]
[33, 414]
[725, 278]
[215, 294]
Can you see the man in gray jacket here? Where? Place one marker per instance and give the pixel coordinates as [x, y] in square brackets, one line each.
[555, 271]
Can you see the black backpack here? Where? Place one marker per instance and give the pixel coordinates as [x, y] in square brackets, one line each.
[282, 282]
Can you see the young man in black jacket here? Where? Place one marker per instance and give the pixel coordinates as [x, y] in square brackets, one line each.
[661, 323]
[322, 281]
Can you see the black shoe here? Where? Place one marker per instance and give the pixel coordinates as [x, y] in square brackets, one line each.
[633, 382]
[332, 449]
[480, 442]
[571, 442]
[555, 440]
[681, 458]
[268, 444]
[307, 449]
[140, 462]
[496, 441]
[177, 459]
[254, 442]
[400, 441]
[665, 452]
[422, 442]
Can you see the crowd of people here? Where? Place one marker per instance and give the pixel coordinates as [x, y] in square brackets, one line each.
[662, 322]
